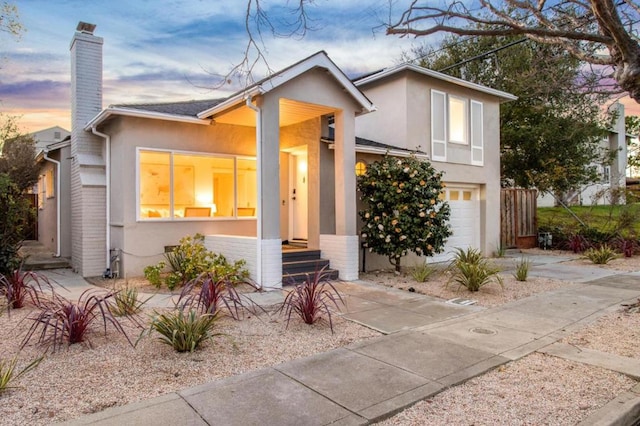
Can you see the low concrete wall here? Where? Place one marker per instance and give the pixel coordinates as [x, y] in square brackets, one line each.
[236, 248]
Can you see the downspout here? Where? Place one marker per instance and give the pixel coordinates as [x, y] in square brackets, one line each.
[107, 165]
[258, 112]
[58, 221]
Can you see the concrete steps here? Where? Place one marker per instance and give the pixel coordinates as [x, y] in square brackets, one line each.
[37, 257]
[298, 263]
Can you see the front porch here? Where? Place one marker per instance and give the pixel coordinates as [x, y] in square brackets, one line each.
[281, 265]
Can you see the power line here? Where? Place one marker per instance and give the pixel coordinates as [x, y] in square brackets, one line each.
[482, 55]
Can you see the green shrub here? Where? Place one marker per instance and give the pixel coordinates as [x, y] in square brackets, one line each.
[501, 251]
[422, 272]
[600, 256]
[596, 237]
[153, 274]
[184, 332]
[125, 302]
[470, 255]
[13, 223]
[8, 373]
[473, 271]
[173, 280]
[522, 269]
[190, 259]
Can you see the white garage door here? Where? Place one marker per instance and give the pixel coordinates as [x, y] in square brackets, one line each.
[464, 221]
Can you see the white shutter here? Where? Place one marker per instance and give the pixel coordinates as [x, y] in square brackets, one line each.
[477, 134]
[438, 126]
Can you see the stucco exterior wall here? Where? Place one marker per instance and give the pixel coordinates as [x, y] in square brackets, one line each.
[417, 130]
[391, 122]
[48, 214]
[142, 242]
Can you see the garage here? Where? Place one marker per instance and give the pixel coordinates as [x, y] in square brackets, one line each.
[464, 201]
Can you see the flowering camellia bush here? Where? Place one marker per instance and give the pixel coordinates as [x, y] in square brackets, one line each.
[403, 210]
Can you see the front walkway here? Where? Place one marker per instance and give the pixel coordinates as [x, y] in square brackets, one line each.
[429, 346]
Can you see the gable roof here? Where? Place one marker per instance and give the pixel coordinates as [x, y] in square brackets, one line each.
[387, 72]
[185, 108]
[317, 60]
[199, 111]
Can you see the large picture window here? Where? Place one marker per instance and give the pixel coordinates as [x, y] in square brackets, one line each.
[193, 186]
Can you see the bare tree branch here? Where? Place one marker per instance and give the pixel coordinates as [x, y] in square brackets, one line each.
[601, 32]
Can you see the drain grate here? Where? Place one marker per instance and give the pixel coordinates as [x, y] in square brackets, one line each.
[461, 301]
[480, 330]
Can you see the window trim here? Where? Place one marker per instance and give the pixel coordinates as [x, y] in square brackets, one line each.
[435, 141]
[476, 141]
[172, 217]
[49, 183]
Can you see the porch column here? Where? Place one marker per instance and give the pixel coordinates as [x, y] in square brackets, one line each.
[342, 248]
[268, 141]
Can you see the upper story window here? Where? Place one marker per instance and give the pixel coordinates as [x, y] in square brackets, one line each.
[456, 120]
[193, 186]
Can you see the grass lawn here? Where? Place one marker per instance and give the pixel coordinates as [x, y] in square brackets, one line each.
[625, 219]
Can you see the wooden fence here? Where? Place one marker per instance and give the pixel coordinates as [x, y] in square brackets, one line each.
[518, 219]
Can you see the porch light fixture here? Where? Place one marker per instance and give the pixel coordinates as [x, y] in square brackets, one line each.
[361, 168]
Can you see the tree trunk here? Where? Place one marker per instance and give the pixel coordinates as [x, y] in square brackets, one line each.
[395, 261]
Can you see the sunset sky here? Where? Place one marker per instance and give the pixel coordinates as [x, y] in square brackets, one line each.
[166, 50]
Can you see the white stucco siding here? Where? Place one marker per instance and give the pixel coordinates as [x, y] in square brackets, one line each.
[142, 242]
[391, 122]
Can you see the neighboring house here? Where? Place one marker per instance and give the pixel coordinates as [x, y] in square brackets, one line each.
[633, 151]
[46, 137]
[612, 183]
[274, 162]
[54, 195]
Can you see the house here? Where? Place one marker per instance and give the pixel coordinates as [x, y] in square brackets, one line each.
[274, 162]
[612, 171]
[49, 136]
[457, 123]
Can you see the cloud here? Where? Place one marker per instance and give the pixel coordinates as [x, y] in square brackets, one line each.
[35, 94]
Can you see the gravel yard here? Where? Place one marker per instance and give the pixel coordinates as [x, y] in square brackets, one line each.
[537, 389]
[82, 379]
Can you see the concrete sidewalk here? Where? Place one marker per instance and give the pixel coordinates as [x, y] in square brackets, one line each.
[428, 346]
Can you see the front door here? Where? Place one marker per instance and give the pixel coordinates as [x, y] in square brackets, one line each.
[298, 223]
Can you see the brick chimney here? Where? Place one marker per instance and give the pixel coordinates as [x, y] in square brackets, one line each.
[88, 202]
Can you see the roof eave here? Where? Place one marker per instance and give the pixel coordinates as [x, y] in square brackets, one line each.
[130, 112]
[318, 60]
[382, 151]
[503, 96]
[234, 100]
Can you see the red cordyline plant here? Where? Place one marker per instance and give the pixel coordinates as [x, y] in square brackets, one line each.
[20, 286]
[312, 299]
[210, 294]
[627, 246]
[577, 243]
[60, 321]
